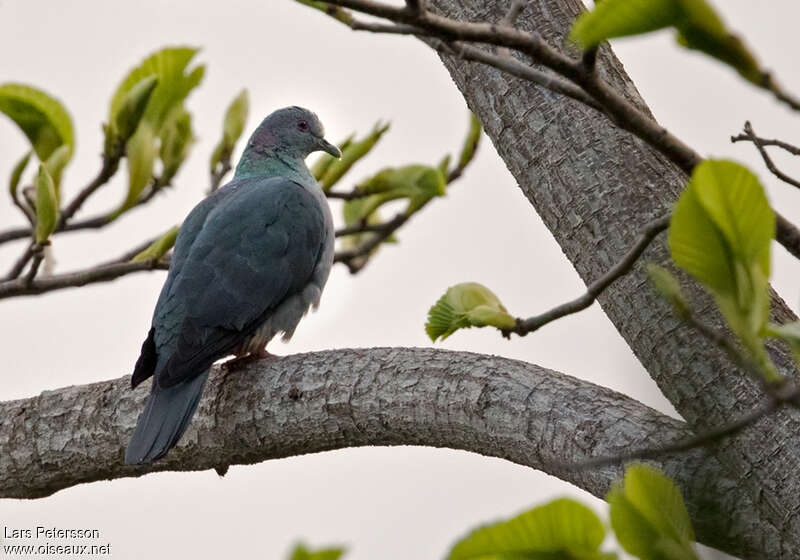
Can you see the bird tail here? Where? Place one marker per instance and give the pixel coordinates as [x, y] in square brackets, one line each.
[164, 419]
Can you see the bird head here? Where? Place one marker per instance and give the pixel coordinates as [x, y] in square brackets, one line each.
[294, 131]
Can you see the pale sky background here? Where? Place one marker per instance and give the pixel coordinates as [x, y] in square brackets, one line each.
[388, 503]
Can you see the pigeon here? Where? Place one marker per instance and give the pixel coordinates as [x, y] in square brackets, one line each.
[248, 263]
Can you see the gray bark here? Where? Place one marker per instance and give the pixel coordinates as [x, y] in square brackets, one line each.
[595, 185]
[381, 396]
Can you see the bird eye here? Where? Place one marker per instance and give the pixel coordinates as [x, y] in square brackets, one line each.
[303, 125]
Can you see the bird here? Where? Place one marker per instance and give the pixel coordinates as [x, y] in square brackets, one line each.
[248, 263]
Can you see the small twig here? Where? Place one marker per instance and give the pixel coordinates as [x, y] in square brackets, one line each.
[101, 273]
[621, 268]
[508, 20]
[706, 438]
[38, 257]
[750, 135]
[356, 258]
[107, 170]
[352, 195]
[787, 393]
[508, 63]
[219, 172]
[589, 59]
[21, 262]
[787, 235]
[792, 149]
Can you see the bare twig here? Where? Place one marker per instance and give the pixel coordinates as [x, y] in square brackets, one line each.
[356, 258]
[792, 149]
[749, 134]
[508, 63]
[21, 262]
[351, 195]
[107, 170]
[102, 273]
[621, 268]
[38, 257]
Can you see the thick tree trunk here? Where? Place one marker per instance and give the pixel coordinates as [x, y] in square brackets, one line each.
[595, 185]
[380, 396]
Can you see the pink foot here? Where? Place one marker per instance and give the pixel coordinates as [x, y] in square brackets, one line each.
[242, 361]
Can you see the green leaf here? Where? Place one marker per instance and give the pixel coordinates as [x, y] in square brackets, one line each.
[324, 161]
[444, 165]
[42, 118]
[701, 29]
[736, 202]
[698, 246]
[720, 233]
[698, 27]
[562, 529]
[16, 175]
[132, 108]
[790, 332]
[302, 553]
[176, 138]
[175, 81]
[649, 516]
[622, 18]
[466, 305]
[470, 142]
[667, 285]
[159, 247]
[141, 157]
[418, 183]
[55, 164]
[354, 152]
[46, 205]
[232, 128]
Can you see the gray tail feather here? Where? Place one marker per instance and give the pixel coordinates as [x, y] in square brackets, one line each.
[165, 417]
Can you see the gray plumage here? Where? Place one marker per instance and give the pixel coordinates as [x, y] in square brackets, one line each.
[249, 262]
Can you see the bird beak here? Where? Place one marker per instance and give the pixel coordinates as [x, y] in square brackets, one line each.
[326, 146]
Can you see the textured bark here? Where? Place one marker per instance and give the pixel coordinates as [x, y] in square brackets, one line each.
[595, 185]
[381, 396]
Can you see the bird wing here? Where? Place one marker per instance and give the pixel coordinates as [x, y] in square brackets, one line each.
[148, 357]
[257, 246]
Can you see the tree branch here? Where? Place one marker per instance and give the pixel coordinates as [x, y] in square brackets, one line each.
[382, 396]
[100, 273]
[620, 269]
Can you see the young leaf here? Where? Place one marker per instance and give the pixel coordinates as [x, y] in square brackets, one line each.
[562, 528]
[55, 164]
[354, 152]
[302, 553]
[698, 27]
[418, 183]
[333, 11]
[232, 127]
[46, 205]
[141, 157]
[159, 247]
[132, 108]
[466, 305]
[736, 202]
[621, 18]
[790, 332]
[698, 246]
[42, 118]
[649, 516]
[470, 142]
[16, 175]
[176, 139]
[175, 81]
[667, 285]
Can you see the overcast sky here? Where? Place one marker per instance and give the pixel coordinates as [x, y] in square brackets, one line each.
[390, 503]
